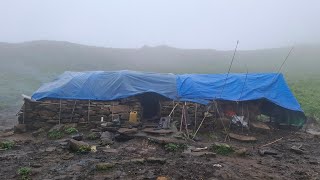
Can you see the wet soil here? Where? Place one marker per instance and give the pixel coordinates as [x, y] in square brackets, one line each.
[51, 159]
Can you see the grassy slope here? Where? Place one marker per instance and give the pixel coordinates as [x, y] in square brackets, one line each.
[26, 65]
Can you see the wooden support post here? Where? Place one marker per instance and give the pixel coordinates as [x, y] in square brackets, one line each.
[24, 111]
[182, 116]
[195, 116]
[60, 112]
[74, 106]
[89, 111]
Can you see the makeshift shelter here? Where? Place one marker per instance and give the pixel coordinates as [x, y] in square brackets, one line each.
[143, 91]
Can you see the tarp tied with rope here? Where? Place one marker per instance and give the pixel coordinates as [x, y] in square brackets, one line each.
[238, 87]
[200, 88]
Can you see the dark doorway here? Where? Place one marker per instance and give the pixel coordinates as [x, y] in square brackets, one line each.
[150, 103]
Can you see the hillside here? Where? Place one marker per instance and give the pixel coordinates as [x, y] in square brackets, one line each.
[24, 66]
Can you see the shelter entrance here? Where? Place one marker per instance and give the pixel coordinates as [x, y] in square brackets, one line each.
[151, 106]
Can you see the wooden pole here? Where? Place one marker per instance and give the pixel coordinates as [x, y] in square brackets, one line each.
[60, 112]
[185, 118]
[89, 111]
[182, 114]
[24, 111]
[199, 126]
[195, 116]
[74, 106]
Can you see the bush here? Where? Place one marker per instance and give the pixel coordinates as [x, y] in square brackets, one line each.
[6, 145]
[172, 147]
[55, 134]
[71, 130]
[223, 149]
[84, 149]
[24, 173]
[93, 136]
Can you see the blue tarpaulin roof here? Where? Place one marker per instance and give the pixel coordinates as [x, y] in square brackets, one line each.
[201, 88]
[238, 87]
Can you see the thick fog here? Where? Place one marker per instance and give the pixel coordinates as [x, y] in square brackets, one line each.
[213, 24]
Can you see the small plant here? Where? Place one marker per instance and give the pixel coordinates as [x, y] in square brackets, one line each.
[55, 134]
[24, 173]
[71, 130]
[223, 149]
[84, 149]
[93, 136]
[172, 147]
[6, 145]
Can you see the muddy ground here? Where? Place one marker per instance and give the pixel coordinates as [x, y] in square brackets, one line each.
[142, 158]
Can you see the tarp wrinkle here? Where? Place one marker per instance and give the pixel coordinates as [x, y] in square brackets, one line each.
[199, 88]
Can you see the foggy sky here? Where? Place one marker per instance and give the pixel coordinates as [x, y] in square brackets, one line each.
[214, 24]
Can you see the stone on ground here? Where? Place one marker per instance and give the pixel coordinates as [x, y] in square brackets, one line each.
[20, 128]
[78, 145]
[106, 138]
[242, 137]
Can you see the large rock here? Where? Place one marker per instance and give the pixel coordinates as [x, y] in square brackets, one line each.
[259, 126]
[78, 145]
[128, 130]
[104, 166]
[106, 138]
[242, 137]
[20, 128]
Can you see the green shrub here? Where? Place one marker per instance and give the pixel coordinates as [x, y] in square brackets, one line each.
[172, 147]
[55, 134]
[93, 136]
[223, 149]
[84, 149]
[71, 130]
[6, 145]
[24, 173]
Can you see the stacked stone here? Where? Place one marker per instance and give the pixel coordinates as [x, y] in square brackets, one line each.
[38, 113]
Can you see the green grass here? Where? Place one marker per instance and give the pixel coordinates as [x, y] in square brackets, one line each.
[55, 134]
[84, 149]
[223, 149]
[92, 136]
[7, 145]
[307, 93]
[24, 173]
[71, 130]
[172, 147]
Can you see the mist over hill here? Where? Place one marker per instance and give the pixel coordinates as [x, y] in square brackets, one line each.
[25, 66]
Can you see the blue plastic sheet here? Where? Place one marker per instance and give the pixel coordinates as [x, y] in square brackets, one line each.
[238, 87]
[200, 88]
[100, 85]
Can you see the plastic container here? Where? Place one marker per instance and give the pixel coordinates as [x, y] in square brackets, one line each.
[133, 116]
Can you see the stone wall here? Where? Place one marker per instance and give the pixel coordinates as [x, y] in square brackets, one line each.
[192, 109]
[36, 114]
[39, 113]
